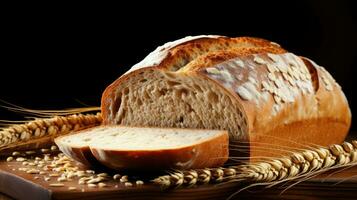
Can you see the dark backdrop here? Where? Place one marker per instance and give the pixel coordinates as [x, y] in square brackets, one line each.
[57, 56]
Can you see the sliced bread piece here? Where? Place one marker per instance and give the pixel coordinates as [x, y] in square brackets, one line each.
[121, 147]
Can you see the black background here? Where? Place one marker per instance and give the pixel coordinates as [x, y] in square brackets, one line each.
[56, 56]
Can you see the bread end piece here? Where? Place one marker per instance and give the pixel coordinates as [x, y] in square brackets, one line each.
[211, 151]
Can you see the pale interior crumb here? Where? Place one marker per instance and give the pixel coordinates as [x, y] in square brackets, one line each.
[129, 138]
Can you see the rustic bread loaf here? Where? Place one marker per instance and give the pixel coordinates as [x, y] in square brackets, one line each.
[120, 147]
[263, 95]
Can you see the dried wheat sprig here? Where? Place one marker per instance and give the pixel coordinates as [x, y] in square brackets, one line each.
[40, 128]
[51, 113]
[271, 170]
[46, 113]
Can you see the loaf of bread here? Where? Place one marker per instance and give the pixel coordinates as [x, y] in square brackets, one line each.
[266, 97]
[120, 147]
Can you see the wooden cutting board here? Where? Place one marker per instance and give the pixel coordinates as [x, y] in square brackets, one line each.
[20, 185]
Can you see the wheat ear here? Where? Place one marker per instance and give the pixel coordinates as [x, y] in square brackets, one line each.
[272, 170]
[47, 127]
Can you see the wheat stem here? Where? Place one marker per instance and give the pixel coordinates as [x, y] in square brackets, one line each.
[47, 127]
[299, 164]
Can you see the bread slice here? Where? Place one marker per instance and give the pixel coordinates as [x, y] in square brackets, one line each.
[120, 147]
[267, 98]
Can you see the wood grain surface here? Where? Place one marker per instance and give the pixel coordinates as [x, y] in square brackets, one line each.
[16, 184]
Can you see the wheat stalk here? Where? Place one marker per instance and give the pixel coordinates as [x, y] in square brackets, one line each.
[47, 127]
[272, 170]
